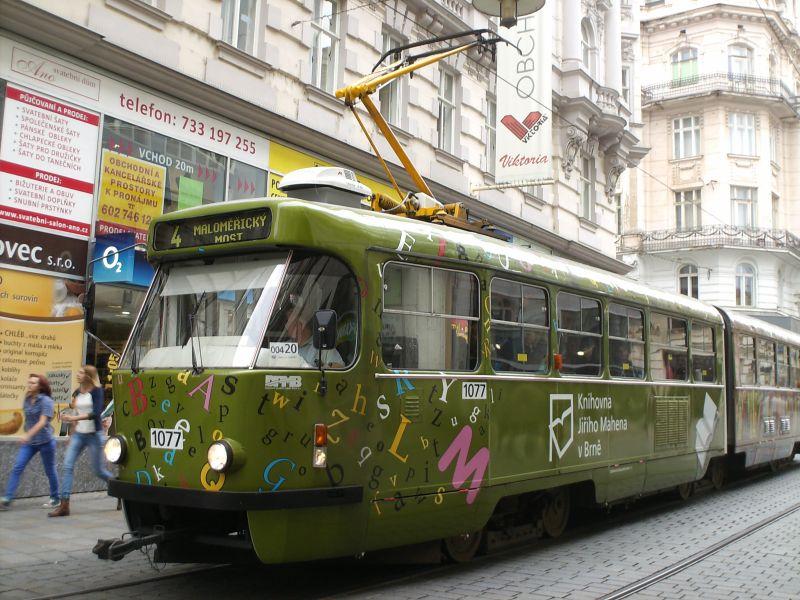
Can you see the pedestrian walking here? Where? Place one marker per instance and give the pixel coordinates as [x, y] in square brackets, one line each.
[38, 407]
[88, 432]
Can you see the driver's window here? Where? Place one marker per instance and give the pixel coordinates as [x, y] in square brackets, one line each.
[311, 283]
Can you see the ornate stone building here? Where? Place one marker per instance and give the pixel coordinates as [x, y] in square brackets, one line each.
[717, 215]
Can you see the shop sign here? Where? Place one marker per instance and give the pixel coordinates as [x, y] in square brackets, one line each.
[524, 102]
[42, 325]
[42, 252]
[115, 260]
[131, 195]
[131, 104]
[47, 163]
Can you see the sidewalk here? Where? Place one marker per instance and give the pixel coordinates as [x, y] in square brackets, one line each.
[40, 556]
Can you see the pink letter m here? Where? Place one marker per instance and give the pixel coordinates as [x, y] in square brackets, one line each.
[464, 469]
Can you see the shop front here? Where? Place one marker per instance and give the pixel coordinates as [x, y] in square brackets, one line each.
[87, 160]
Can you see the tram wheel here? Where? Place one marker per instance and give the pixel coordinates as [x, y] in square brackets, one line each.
[717, 474]
[555, 514]
[685, 490]
[462, 548]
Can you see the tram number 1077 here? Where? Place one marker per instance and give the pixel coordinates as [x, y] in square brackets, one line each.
[473, 390]
[166, 439]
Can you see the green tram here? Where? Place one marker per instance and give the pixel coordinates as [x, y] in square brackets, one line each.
[309, 380]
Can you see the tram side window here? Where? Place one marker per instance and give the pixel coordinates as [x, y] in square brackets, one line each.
[430, 318]
[703, 358]
[794, 369]
[746, 349]
[579, 334]
[626, 341]
[668, 349]
[766, 362]
[519, 328]
[782, 364]
[312, 283]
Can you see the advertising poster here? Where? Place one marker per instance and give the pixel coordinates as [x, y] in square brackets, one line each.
[131, 195]
[47, 163]
[42, 323]
[524, 102]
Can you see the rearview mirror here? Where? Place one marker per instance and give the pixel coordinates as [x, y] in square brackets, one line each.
[323, 327]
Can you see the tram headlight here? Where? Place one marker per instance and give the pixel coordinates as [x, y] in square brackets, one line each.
[225, 455]
[115, 449]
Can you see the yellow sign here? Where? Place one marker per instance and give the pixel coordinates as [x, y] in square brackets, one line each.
[283, 159]
[131, 192]
[42, 323]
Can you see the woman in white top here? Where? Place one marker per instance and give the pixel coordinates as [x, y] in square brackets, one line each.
[88, 432]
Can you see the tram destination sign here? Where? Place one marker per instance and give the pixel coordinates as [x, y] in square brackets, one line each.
[213, 230]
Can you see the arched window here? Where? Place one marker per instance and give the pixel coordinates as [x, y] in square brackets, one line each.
[687, 281]
[684, 66]
[587, 45]
[745, 285]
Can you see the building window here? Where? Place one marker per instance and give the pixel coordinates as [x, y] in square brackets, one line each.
[491, 134]
[740, 61]
[773, 145]
[447, 109]
[390, 95]
[745, 285]
[687, 210]
[587, 45]
[619, 214]
[743, 134]
[743, 206]
[684, 66]
[626, 84]
[687, 281]
[238, 23]
[685, 137]
[324, 48]
[587, 183]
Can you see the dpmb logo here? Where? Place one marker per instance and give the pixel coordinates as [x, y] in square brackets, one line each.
[527, 128]
[561, 424]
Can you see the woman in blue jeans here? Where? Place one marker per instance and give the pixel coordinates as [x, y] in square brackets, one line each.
[38, 437]
[88, 432]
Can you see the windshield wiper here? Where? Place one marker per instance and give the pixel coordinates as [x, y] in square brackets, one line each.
[192, 325]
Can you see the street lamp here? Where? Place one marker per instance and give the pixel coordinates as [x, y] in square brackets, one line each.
[507, 10]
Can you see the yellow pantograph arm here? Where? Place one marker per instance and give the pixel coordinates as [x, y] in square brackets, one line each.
[367, 85]
[370, 83]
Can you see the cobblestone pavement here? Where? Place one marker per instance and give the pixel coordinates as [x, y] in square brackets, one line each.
[39, 557]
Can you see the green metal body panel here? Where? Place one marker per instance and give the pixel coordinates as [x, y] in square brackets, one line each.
[432, 464]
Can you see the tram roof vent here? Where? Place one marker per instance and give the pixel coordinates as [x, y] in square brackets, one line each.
[330, 185]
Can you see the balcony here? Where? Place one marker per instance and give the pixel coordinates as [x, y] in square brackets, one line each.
[713, 236]
[715, 83]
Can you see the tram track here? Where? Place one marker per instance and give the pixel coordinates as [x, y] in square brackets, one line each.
[697, 557]
[415, 571]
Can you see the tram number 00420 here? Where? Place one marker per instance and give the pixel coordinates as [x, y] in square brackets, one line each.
[166, 439]
[473, 390]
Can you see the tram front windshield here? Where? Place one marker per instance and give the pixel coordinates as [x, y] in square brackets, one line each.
[206, 315]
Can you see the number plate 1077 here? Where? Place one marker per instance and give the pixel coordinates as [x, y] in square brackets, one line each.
[167, 439]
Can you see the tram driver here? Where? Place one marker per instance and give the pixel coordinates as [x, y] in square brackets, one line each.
[305, 355]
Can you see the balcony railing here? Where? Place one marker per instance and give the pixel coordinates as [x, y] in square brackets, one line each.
[734, 83]
[713, 236]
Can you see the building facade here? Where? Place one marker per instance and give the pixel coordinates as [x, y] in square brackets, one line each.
[115, 111]
[718, 216]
